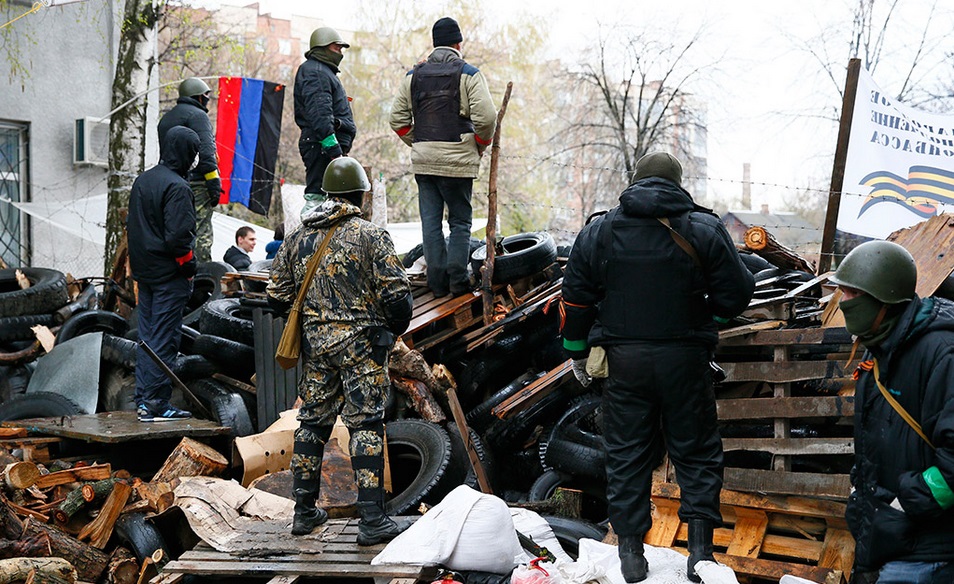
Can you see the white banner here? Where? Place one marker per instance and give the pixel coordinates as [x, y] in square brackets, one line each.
[900, 165]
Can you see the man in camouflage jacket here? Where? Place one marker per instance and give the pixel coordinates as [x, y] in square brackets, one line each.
[356, 304]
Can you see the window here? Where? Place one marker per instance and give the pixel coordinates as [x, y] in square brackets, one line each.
[13, 184]
[284, 46]
[260, 44]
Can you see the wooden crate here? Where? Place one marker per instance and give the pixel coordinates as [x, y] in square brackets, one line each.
[765, 536]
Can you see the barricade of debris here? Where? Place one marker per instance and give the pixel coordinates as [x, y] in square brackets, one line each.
[785, 406]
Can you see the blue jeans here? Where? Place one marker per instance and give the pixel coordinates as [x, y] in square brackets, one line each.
[160, 321]
[446, 264]
[916, 573]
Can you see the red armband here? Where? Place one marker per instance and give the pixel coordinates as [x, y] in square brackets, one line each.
[183, 259]
[402, 131]
[483, 142]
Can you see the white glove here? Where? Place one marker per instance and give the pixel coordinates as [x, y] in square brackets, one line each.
[897, 505]
[579, 370]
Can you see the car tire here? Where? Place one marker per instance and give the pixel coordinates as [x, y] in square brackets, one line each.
[224, 318]
[419, 453]
[39, 404]
[236, 359]
[47, 292]
[227, 407]
[92, 321]
[525, 254]
[20, 328]
[140, 536]
[570, 531]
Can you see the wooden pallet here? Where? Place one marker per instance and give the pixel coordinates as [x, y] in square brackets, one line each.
[340, 557]
[780, 378]
[450, 314]
[765, 536]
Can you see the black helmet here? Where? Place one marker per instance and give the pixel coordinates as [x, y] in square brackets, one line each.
[883, 269]
[345, 176]
[193, 86]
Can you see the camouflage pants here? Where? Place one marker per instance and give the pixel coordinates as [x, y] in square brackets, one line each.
[203, 221]
[347, 383]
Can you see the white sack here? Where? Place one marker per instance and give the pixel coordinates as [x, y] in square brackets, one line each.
[467, 531]
[666, 566]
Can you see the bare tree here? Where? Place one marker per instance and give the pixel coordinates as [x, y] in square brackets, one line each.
[631, 96]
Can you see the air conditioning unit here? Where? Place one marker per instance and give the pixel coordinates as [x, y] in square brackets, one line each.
[91, 141]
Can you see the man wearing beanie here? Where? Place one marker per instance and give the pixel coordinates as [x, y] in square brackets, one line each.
[444, 112]
[648, 282]
[322, 110]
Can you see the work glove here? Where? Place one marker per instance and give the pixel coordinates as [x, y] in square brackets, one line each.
[188, 269]
[334, 151]
[579, 370]
[214, 186]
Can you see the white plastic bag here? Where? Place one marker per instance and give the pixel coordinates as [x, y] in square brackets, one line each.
[536, 573]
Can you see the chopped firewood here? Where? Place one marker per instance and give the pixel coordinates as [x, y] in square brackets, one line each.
[122, 474]
[26, 512]
[17, 569]
[99, 530]
[48, 506]
[159, 495]
[443, 377]
[410, 363]
[97, 491]
[95, 472]
[34, 545]
[191, 459]
[123, 567]
[90, 562]
[13, 432]
[764, 244]
[421, 399]
[140, 506]
[38, 577]
[45, 336]
[22, 280]
[70, 506]
[20, 475]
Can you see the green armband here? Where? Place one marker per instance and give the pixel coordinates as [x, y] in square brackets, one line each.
[329, 141]
[939, 487]
[574, 345]
[719, 319]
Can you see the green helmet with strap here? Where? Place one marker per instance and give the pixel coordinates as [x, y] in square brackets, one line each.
[883, 269]
[324, 36]
[193, 86]
[345, 176]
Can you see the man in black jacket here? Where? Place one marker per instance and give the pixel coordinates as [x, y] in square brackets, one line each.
[647, 282]
[191, 110]
[237, 255]
[322, 109]
[161, 233]
[901, 509]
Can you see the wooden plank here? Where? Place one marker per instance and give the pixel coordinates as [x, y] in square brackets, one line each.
[803, 336]
[750, 328]
[774, 570]
[808, 484]
[534, 392]
[166, 578]
[838, 551]
[791, 446]
[793, 505]
[284, 580]
[115, 427]
[785, 407]
[773, 545]
[774, 372]
[445, 334]
[751, 526]
[924, 240]
[443, 310]
[464, 432]
[328, 567]
[665, 523]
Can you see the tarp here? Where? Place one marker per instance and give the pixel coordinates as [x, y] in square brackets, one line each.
[86, 218]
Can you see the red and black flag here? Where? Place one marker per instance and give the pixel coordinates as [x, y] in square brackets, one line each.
[247, 129]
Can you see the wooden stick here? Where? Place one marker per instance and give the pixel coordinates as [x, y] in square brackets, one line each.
[100, 529]
[461, 421]
[123, 567]
[487, 271]
[94, 472]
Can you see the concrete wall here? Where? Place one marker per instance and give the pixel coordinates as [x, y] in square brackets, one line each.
[67, 52]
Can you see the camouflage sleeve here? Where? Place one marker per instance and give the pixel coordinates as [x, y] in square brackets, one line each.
[281, 285]
[388, 270]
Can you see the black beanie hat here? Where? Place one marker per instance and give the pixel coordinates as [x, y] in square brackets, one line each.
[446, 32]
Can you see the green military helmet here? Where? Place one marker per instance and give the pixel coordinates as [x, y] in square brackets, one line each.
[344, 176]
[883, 269]
[324, 36]
[193, 86]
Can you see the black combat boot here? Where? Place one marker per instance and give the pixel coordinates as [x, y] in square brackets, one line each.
[308, 515]
[700, 546]
[375, 525]
[632, 562]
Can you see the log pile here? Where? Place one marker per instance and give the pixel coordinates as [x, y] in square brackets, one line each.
[58, 520]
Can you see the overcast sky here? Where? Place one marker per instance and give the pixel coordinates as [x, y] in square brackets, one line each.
[757, 103]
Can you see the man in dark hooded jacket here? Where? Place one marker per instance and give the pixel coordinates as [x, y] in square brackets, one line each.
[647, 282]
[161, 233]
[192, 111]
[322, 109]
[901, 509]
